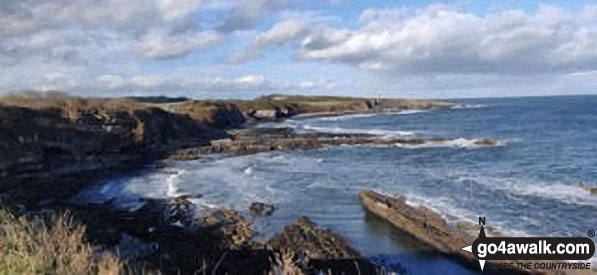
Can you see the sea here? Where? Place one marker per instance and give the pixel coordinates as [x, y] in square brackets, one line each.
[527, 185]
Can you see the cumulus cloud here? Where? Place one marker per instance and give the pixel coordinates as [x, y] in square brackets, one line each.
[276, 36]
[319, 83]
[192, 85]
[118, 46]
[111, 81]
[246, 13]
[158, 44]
[440, 39]
[18, 17]
[75, 31]
[174, 9]
[252, 80]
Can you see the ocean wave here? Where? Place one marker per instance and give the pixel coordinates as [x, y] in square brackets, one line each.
[474, 143]
[570, 194]
[353, 116]
[339, 130]
[408, 112]
[567, 193]
[173, 184]
[468, 106]
[343, 117]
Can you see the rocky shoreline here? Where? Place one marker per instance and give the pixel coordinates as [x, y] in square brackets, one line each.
[250, 141]
[53, 147]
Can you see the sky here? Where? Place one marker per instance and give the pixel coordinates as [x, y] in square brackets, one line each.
[247, 48]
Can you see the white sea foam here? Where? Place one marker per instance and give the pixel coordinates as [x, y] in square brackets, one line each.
[173, 184]
[343, 117]
[408, 112]
[353, 116]
[339, 130]
[446, 208]
[566, 193]
[452, 143]
[249, 170]
[468, 106]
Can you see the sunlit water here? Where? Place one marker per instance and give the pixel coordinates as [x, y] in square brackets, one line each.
[525, 187]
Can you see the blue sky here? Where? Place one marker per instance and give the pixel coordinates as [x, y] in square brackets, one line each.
[247, 48]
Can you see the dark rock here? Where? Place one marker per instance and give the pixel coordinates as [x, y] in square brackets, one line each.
[318, 243]
[318, 250]
[248, 141]
[486, 142]
[259, 209]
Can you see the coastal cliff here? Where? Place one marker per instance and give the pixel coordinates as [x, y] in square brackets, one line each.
[50, 138]
[51, 147]
[232, 113]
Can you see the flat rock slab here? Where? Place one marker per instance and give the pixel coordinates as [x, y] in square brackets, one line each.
[432, 229]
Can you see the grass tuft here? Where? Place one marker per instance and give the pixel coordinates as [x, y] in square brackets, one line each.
[49, 245]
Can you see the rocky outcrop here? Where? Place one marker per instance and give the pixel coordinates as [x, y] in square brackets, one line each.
[221, 239]
[44, 144]
[317, 243]
[249, 141]
[318, 250]
[431, 228]
[40, 133]
[217, 114]
[420, 222]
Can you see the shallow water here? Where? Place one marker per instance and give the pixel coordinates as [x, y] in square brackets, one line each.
[525, 187]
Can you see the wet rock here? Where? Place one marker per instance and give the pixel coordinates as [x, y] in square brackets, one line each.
[259, 209]
[591, 189]
[486, 142]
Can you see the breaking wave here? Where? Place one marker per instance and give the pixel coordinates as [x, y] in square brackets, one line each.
[339, 130]
[452, 143]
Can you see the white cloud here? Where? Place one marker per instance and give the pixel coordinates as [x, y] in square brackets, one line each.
[276, 36]
[248, 12]
[321, 83]
[280, 33]
[439, 39]
[148, 81]
[158, 44]
[119, 46]
[253, 79]
[111, 81]
[191, 85]
[173, 9]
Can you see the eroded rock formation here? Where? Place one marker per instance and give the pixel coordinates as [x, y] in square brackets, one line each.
[432, 229]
